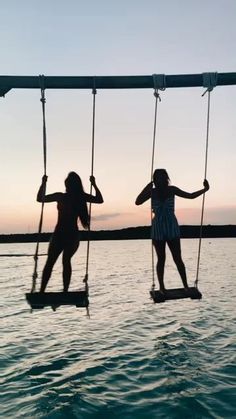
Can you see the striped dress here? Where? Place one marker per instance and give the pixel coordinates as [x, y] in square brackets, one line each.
[164, 223]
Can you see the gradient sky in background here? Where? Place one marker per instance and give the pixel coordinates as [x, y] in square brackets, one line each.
[129, 37]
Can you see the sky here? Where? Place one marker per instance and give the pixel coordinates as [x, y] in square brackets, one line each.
[129, 37]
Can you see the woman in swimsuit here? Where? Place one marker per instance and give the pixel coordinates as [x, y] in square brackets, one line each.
[165, 228]
[71, 205]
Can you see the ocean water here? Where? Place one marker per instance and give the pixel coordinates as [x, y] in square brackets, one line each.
[130, 358]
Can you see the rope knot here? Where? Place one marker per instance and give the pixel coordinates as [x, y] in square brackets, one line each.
[157, 95]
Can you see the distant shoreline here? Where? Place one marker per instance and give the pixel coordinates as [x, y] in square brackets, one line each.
[130, 233]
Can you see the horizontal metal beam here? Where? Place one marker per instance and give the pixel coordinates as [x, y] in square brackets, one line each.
[108, 82]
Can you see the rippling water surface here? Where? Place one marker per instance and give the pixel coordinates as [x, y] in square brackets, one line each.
[131, 358]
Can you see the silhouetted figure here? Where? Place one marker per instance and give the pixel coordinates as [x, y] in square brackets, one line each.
[71, 205]
[165, 228]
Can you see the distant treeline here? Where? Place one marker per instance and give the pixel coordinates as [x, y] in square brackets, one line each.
[130, 233]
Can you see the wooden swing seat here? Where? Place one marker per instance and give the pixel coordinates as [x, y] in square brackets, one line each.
[175, 294]
[39, 300]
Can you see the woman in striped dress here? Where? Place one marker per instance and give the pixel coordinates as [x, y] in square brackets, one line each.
[165, 228]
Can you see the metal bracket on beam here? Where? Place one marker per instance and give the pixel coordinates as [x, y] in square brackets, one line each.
[4, 90]
[209, 80]
[159, 81]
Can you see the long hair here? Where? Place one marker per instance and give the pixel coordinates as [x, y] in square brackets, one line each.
[161, 181]
[75, 190]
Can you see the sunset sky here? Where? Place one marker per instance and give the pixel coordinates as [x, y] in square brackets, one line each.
[129, 37]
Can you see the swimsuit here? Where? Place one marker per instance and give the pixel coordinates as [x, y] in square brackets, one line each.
[66, 231]
[164, 224]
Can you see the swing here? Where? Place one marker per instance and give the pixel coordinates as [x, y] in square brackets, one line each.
[209, 81]
[39, 300]
[175, 294]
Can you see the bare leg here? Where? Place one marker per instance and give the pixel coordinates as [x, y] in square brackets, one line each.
[175, 249]
[160, 247]
[69, 251]
[54, 250]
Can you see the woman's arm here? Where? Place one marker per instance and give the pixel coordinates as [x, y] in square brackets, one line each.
[41, 197]
[191, 195]
[144, 195]
[97, 198]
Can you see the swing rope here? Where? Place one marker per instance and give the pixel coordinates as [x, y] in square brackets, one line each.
[209, 81]
[43, 101]
[94, 92]
[159, 84]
